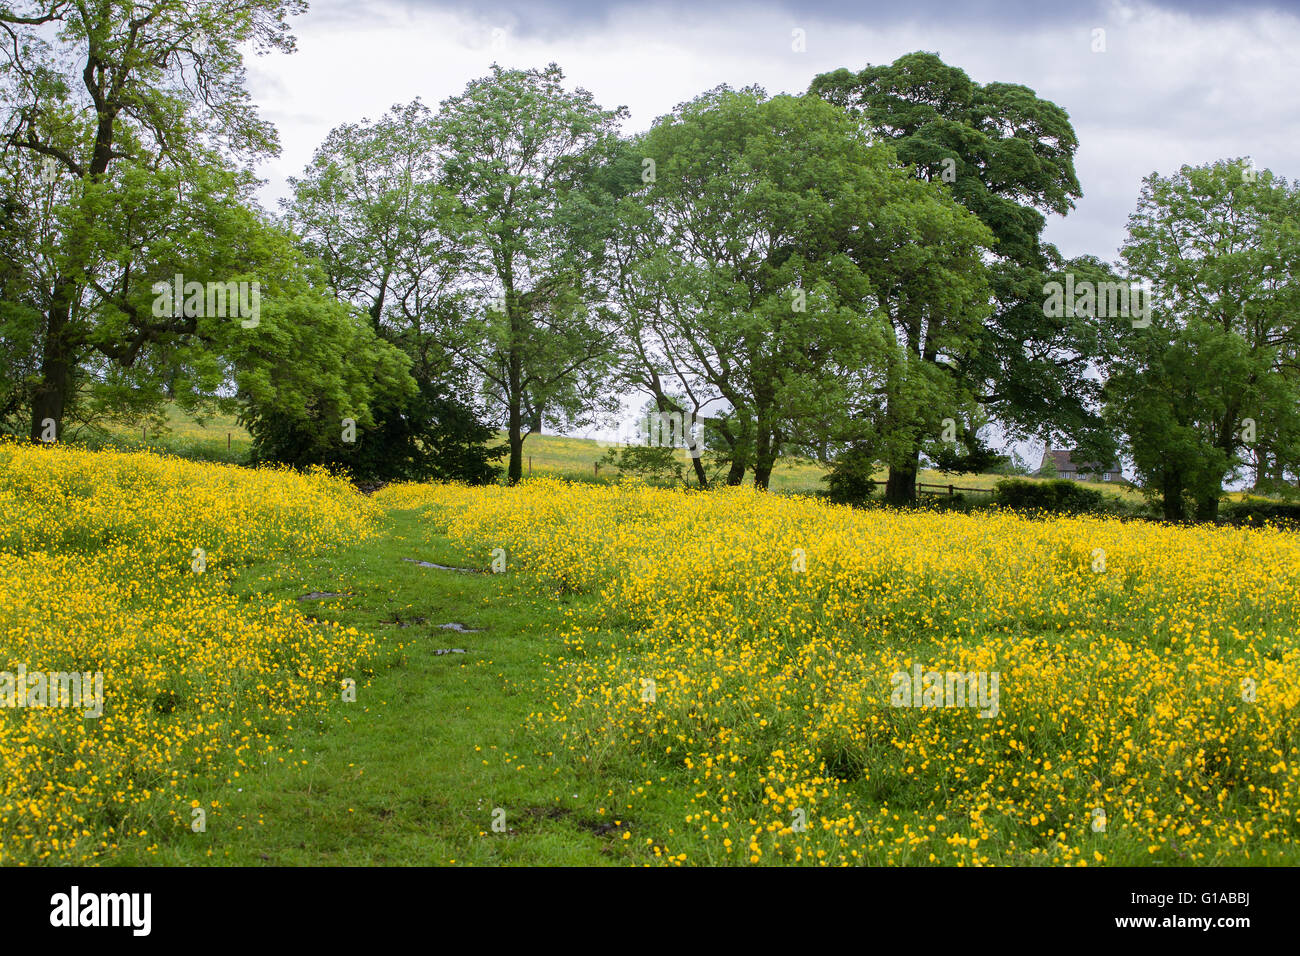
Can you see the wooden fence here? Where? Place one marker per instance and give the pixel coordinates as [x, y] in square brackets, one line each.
[927, 488]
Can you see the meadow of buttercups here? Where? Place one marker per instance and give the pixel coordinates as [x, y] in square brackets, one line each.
[120, 564]
[739, 659]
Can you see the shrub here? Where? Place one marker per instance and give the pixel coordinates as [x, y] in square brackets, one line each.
[421, 437]
[1253, 512]
[657, 465]
[1058, 496]
[851, 479]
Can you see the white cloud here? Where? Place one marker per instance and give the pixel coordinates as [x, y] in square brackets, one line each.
[1171, 88]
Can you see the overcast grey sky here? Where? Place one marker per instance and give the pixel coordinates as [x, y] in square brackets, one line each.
[1183, 81]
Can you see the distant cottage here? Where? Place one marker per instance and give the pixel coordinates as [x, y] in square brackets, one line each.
[1066, 467]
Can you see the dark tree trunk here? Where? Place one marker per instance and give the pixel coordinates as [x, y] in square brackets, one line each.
[764, 458]
[694, 449]
[900, 483]
[516, 423]
[700, 477]
[900, 486]
[1171, 493]
[739, 463]
[1261, 470]
[516, 437]
[51, 397]
[516, 452]
[377, 307]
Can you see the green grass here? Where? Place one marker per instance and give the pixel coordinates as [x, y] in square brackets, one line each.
[219, 437]
[411, 773]
[576, 458]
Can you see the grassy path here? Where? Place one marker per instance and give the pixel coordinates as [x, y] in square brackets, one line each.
[411, 773]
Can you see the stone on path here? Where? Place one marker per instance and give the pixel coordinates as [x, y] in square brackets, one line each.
[440, 567]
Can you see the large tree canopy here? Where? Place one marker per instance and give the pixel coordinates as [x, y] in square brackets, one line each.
[125, 124]
[1214, 382]
[1008, 156]
[768, 267]
[857, 273]
[390, 238]
[517, 153]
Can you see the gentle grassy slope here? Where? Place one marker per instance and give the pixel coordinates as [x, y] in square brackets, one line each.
[221, 438]
[218, 437]
[119, 565]
[575, 459]
[1148, 673]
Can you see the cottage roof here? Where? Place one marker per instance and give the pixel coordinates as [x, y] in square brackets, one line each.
[1061, 459]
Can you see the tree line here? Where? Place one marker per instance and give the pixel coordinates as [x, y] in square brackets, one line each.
[856, 274]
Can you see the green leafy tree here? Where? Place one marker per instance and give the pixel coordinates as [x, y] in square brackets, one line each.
[422, 436]
[744, 278]
[517, 151]
[309, 370]
[372, 210]
[1214, 378]
[297, 349]
[1007, 156]
[657, 464]
[123, 112]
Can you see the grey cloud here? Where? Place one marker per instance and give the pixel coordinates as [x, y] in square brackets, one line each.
[550, 19]
[1210, 81]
